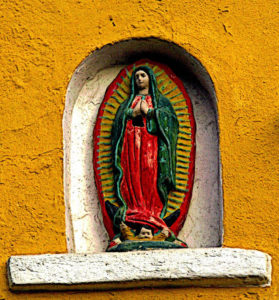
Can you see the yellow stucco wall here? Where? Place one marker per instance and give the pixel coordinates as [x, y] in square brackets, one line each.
[42, 42]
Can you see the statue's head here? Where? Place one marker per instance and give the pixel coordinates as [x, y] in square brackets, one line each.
[143, 77]
[142, 80]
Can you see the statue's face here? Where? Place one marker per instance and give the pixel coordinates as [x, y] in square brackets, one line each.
[145, 234]
[142, 80]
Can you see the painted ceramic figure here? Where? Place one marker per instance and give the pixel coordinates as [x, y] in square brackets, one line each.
[144, 137]
[144, 150]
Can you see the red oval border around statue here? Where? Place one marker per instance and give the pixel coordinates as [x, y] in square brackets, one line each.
[177, 225]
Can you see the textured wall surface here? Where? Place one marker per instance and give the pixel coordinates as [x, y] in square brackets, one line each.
[42, 43]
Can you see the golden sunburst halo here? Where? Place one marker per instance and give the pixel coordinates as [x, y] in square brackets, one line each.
[173, 92]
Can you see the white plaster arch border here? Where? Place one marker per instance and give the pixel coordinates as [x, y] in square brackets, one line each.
[84, 226]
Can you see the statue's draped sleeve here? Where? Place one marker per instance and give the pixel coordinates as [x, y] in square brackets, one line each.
[163, 122]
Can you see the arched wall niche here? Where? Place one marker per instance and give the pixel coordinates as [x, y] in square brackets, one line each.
[84, 226]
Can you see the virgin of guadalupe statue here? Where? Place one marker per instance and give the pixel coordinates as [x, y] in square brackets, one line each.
[143, 140]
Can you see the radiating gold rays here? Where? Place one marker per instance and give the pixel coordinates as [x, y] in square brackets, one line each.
[184, 144]
[104, 159]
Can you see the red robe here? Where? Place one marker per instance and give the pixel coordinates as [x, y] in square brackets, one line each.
[139, 163]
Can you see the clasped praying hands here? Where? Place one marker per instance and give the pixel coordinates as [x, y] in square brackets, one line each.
[141, 108]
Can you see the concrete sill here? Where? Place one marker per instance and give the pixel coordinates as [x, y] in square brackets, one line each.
[212, 267]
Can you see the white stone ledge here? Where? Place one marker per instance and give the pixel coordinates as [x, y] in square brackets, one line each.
[213, 267]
